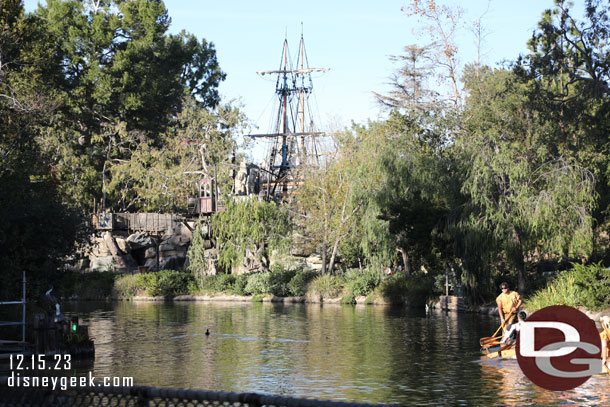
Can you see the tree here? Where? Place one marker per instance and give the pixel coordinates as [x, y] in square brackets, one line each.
[249, 225]
[442, 24]
[30, 206]
[569, 64]
[120, 78]
[198, 144]
[530, 200]
[414, 197]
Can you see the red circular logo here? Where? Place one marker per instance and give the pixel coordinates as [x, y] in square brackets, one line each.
[558, 348]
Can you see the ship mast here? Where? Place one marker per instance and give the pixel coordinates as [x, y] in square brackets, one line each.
[290, 82]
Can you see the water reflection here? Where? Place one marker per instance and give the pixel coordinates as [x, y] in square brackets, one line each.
[363, 353]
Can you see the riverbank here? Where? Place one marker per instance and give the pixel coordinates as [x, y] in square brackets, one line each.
[236, 298]
[288, 286]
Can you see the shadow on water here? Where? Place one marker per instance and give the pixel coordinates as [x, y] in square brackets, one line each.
[368, 354]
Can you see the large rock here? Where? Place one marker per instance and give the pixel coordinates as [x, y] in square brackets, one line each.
[177, 241]
[123, 245]
[150, 253]
[140, 241]
[314, 262]
[98, 247]
[105, 263]
[300, 246]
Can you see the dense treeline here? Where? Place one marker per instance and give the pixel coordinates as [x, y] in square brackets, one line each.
[500, 177]
[494, 174]
[99, 106]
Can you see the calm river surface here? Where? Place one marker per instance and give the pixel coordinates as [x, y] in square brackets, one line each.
[369, 354]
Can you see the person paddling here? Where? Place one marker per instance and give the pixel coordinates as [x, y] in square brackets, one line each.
[508, 303]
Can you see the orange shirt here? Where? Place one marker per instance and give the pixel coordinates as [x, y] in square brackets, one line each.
[508, 300]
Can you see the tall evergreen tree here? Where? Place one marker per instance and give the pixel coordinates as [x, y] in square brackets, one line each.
[120, 79]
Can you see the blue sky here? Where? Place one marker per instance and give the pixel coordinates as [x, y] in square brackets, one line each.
[353, 38]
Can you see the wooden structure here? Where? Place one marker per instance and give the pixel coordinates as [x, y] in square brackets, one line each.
[155, 223]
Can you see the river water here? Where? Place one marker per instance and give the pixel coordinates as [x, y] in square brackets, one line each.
[368, 354]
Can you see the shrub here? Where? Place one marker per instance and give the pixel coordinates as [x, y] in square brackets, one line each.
[593, 282]
[167, 283]
[239, 287]
[362, 283]
[299, 283]
[560, 291]
[224, 283]
[587, 286]
[128, 286]
[348, 299]
[207, 284]
[279, 280]
[258, 283]
[86, 285]
[399, 288]
[327, 285]
[173, 282]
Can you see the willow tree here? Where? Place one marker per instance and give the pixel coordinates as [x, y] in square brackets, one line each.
[414, 197]
[569, 59]
[250, 226]
[530, 200]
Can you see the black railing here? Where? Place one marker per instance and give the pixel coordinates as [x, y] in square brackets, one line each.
[138, 396]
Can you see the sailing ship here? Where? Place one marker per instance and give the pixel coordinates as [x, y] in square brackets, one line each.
[294, 139]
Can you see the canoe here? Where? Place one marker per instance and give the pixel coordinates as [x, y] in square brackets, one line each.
[507, 352]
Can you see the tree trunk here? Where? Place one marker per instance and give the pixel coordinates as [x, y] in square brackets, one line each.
[406, 262]
[331, 265]
[323, 257]
[518, 261]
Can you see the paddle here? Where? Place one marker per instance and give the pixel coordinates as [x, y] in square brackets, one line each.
[491, 343]
[494, 338]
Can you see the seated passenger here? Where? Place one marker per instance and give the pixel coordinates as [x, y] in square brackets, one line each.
[510, 336]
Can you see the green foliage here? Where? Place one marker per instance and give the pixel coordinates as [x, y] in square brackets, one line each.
[593, 284]
[219, 283]
[94, 285]
[239, 287]
[414, 290]
[361, 282]
[167, 283]
[280, 281]
[198, 261]
[258, 283]
[29, 202]
[129, 286]
[119, 77]
[524, 196]
[347, 299]
[587, 286]
[561, 291]
[327, 286]
[299, 284]
[160, 172]
[249, 225]
[224, 283]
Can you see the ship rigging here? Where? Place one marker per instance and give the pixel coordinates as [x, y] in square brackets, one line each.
[294, 137]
